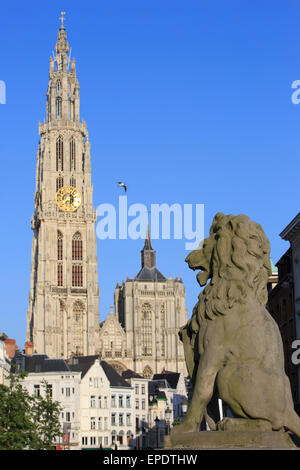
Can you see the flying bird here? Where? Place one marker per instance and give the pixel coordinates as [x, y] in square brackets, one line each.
[122, 185]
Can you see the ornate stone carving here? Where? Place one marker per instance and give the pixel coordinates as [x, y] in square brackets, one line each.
[232, 344]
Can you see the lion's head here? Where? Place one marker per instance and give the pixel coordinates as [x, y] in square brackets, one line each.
[236, 259]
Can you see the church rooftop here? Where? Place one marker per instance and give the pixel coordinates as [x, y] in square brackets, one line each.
[149, 274]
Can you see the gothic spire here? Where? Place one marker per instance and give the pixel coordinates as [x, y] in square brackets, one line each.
[62, 47]
[148, 254]
[63, 101]
[147, 245]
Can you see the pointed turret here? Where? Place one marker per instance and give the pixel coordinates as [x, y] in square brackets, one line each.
[62, 46]
[63, 90]
[148, 271]
[148, 254]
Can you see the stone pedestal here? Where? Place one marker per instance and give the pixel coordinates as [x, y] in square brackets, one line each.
[230, 440]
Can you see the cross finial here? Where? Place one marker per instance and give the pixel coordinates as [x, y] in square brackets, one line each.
[62, 18]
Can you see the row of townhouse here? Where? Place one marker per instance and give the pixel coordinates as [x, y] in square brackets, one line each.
[100, 407]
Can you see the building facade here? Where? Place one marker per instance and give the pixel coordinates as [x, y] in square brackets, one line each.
[106, 405]
[139, 385]
[142, 334]
[63, 311]
[284, 302]
[64, 386]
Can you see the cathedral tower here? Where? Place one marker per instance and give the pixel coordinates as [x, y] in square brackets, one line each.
[151, 309]
[63, 312]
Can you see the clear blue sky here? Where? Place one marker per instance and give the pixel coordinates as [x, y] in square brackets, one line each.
[187, 101]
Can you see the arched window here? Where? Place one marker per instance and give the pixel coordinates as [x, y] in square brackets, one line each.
[58, 87]
[58, 108]
[59, 154]
[73, 182]
[62, 309]
[78, 311]
[72, 155]
[113, 435]
[59, 245]
[59, 182]
[77, 275]
[121, 434]
[77, 247]
[69, 108]
[146, 329]
[60, 275]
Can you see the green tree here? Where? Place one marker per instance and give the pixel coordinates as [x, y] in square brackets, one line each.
[46, 417]
[27, 422]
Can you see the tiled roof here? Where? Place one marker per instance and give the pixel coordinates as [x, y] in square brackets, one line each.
[149, 274]
[171, 377]
[114, 378]
[84, 363]
[42, 363]
[130, 374]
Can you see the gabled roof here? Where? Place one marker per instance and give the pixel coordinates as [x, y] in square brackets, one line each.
[130, 374]
[292, 230]
[84, 363]
[111, 319]
[171, 377]
[155, 385]
[114, 378]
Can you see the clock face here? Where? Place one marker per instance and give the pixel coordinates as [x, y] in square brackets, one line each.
[68, 199]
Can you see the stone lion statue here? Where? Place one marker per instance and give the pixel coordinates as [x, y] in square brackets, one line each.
[232, 344]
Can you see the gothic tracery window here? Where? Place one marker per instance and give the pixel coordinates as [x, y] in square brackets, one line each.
[59, 154]
[59, 245]
[62, 308]
[58, 108]
[78, 311]
[77, 275]
[58, 86]
[60, 275]
[77, 247]
[72, 155]
[59, 258]
[77, 269]
[59, 182]
[146, 329]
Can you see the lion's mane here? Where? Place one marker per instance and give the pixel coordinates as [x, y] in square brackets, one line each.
[239, 266]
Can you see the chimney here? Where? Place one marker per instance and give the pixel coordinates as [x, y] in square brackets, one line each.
[10, 346]
[28, 348]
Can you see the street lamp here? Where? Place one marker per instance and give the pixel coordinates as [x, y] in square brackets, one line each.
[168, 414]
[157, 421]
[184, 405]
